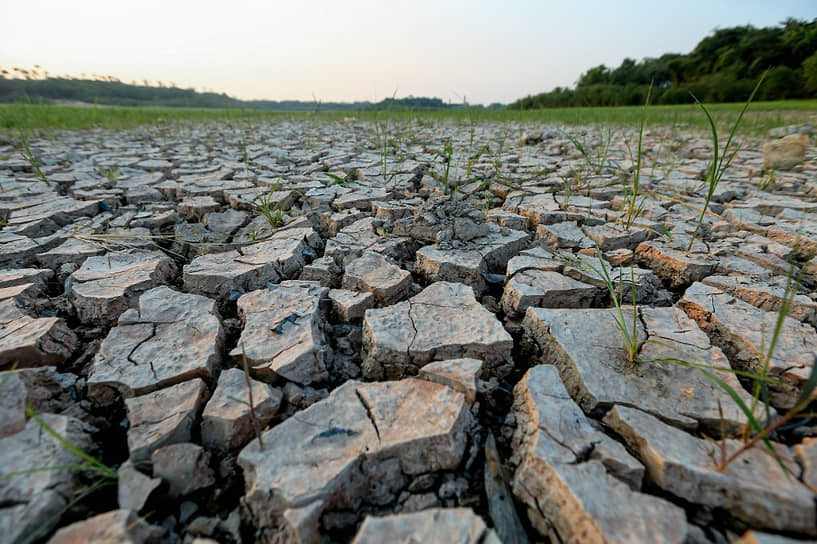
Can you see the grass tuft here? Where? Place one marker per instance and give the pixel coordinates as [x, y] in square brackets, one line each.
[272, 211]
[720, 159]
[634, 208]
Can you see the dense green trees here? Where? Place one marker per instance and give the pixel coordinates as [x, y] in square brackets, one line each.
[723, 67]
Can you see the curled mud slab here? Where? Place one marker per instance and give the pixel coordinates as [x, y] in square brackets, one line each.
[204, 337]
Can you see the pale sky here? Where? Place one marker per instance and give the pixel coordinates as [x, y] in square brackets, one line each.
[346, 50]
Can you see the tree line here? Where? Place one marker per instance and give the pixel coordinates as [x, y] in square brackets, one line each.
[723, 67]
[36, 86]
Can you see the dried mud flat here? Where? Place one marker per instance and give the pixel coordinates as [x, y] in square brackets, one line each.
[423, 364]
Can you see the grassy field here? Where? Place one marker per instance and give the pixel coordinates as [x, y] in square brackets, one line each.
[761, 116]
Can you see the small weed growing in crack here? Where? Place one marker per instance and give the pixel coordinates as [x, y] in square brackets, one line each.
[632, 344]
[767, 181]
[339, 180]
[572, 184]
[627, 325]
[272, 211]
[383, 130]
[443, 180]
[110, 173]
[596, 159]
[635, 208]
[29, 157]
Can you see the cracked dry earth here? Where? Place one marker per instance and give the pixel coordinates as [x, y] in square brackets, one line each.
[421, 367]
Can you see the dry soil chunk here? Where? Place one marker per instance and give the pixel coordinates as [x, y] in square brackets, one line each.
[21, 276]
[766, 294]
[171, 337]
[18, 250]
[356, 445]
[443, 219]
[350, 305]
[459, 374]
[507, 219]
[323, 270]
[444, 321]
[42, 389]
[534, 259]
[674, 265]
[609, 238]
[60, 211]
[28, 342]
[546, 289]
[360, 198]
[226, 222]
[115, 527]
[352, 241]
[184, 466]
[226, 423]
[107, 285]
[332, 223]
[362, 235]
[742, 330]
[753, 489]
[32, 503]
[455, 265]
[25, 296]
[283, 332]
[373, 273]
[567, 235]
[441, 525]
[250, 267]
[163, 417]
[597, 373]
[570, 473]
[197, 207]
[71, 251]
[500, 245]
[786, 152]
[133, 487]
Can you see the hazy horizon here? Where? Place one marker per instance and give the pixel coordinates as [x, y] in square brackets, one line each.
[481, 51]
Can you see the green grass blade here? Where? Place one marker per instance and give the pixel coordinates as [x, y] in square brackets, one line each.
[750, 417]
[36, 535]
[729, 390]
[710, 368]
[79, 468]
[808, 390]
[740, 116]
[336, 180]
[97, 465]
[577, 144]
[630, 339]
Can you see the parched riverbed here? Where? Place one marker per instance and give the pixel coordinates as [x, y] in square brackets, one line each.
[405, 331]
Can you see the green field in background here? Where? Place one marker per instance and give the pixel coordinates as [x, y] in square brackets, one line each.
[761, 116]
